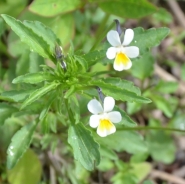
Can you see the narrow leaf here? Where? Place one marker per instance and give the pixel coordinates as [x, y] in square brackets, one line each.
[19, 144]
[118, 93]
[82, 62]
[47, 107]
[39, 93]
[34, 41]
[16, 96]
[86, 150]
[45, 32]
[70, 92]
[52, 8]
[123, 84]
[33, 78]
[127, 8]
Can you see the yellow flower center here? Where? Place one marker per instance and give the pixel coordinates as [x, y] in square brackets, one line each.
[122, 58]
[105, 124]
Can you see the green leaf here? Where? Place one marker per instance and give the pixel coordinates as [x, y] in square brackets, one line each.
[47, 106]
[5, 112]
[75, 107]
[108, 153]
[49, 123]
[162, 16]
[148, 182]
[143, 66]
[105, 165]
[28, 36]
[19, 144]
[65, 28]
[183, 72]
[126, 120]
[49, 8]
[33, 78]
[165, 105]
[123, 84]
[35, 62]
[141, 170]
[166, 87]
[21, 173]
[86, 150]
[2, 26]
[157, 141]
[82, 62]
[70, 91]
[124, 174]
[45, 128]
[94, 56]
[52, 120]
[39, 93]
[146, 39]
[133, 107]
[16, 96]
[119, 93]
[129, 141]
[127, 8]
[139, 157]
[178, 121]
[22, 65]
[45, 32]
[13, 8]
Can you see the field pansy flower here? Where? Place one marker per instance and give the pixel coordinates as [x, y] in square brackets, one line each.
[103, 117]
[120, 50]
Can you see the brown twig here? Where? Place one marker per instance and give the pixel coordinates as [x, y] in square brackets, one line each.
[52, 175]
[54, 162]
[177, 12]
[167, 177]
[168, 77]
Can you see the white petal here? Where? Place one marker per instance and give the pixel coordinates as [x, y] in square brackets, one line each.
[103, 131]
[121, 66]
[129, 35]
[115, 116]
[94, 121]
[113, 38]
[95, 107]
[111, 53]
[108, 104]
[132, 51]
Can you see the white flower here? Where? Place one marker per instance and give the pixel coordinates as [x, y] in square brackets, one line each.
[120, 51]
[102, 117]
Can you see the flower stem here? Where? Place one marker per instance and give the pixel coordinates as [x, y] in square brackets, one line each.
[70, 114]
[99, 37]
[152, 128]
